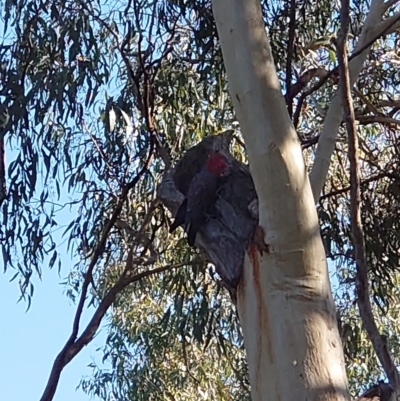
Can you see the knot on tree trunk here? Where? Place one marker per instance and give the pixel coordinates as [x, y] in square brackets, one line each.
[233, 218]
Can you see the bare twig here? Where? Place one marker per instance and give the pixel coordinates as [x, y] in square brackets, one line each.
[390, 3]
[102, 155]
[3, 185]
[365, 120]
[363, 299]
[362, 183]
[290, 46]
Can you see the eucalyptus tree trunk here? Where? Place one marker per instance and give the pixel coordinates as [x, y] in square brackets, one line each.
[284, 300]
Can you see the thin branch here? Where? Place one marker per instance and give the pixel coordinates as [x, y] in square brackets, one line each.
[152, 20]
[371, 107]
[3, 185]
[102, 155]
[125, 280]
[389, 25]
[70, 351]
[310, 142]
[364, 120]
[363, 299]
[4, 127]
[386, 26]
[381, 391]
[390, 3]
[100, 246]
[305, 79]
[382, 29]
[333, 119]
[148, 99]
[395, 103]
[374, 178]
[290, 48]
[62, 357]
[145, 98]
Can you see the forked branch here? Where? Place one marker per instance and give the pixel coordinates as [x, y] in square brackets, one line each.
[71, 349]
[374, 28]
[64, 356]
[362, 290]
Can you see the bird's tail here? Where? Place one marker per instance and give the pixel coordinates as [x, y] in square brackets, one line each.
[191, 234]
[180, 216]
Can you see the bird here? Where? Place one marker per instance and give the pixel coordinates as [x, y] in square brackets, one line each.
[200, 197]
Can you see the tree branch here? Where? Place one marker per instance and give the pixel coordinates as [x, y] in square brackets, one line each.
[292, 27]
[389, 25]
[363, 299]
[365, 120]
[362, 183]
[62, 358]
[72, 349]
[390, 3]
[144, 100]
[333, 119]
[3, 185]
[381, 391]
[385, 27]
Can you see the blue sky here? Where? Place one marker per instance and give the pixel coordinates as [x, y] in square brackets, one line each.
[29, 341]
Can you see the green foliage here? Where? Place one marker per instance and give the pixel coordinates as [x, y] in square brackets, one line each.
[180, 340]
[93, 90]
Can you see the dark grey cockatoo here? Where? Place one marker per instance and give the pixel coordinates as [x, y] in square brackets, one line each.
[201, 195]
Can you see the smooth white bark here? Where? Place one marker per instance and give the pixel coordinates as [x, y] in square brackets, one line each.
[327, 140]
[284, 301]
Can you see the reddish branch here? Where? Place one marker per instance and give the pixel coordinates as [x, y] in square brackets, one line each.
[362, 286]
